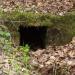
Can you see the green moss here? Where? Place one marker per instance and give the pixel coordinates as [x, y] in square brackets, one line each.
[16, 18]
[64, 24]
[27, 19]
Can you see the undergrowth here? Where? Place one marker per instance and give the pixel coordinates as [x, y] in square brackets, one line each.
[61, 70]
[64, 24]
[25, 49]
[11, 52]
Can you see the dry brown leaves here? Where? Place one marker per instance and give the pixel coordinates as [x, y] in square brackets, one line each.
[53, 6]
[46, 58]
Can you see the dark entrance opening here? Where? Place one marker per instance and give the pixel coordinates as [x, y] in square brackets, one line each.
[33, 36]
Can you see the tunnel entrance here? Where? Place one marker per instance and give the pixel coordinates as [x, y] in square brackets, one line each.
[33, 36]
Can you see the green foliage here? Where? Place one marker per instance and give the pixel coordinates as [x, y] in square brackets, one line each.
[26, 48]
[4, 34]
[65, 24]
[17, 18]
[5, 39]
[9, 50]
[35, 19]
[26, 57]
[26, 19]
[15, 65]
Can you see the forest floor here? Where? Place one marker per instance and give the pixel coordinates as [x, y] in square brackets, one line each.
[59, 60]
[58, 7]
[49, 61]
[11, 64]
[55, 61]
[11, 58]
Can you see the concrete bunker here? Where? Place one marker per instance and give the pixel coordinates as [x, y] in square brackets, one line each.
[33, 36]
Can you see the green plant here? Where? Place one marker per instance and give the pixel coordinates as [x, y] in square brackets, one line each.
[5, 39]
[64, 24]
[25, 50]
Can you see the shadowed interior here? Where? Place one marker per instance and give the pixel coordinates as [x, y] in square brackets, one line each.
[33, 36]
